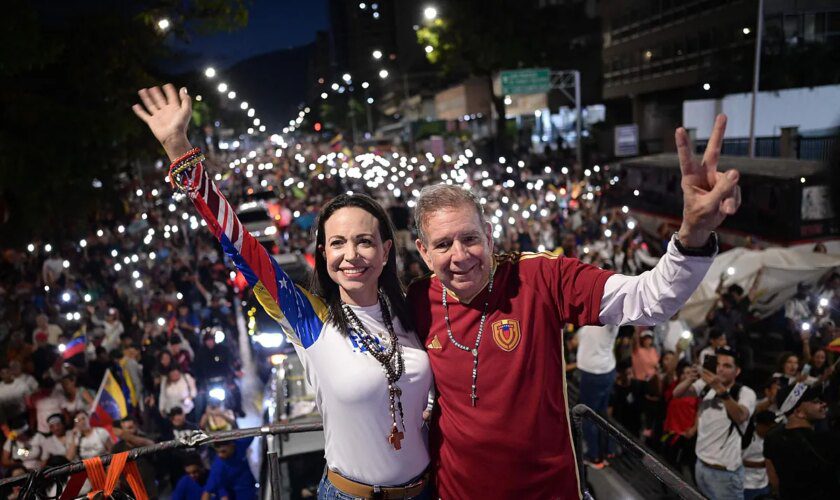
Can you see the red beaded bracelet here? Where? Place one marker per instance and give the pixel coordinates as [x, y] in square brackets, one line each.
[183, 157]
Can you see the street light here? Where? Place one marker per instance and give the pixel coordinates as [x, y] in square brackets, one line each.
[346, 77]
[244, 105]
[429, 49]
[164, 24]
[377, 54]
[251, 113]
[231, 95]
[210, 72]
[430, 13]
[222, 87]
[334, 86]
[324, 95]
[706, 86]
[745, 31]
[365, 85]
[383, 73]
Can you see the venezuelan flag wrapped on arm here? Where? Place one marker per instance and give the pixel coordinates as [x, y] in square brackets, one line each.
[299, 313]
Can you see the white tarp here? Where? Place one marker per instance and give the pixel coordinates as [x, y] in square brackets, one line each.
[782, 269]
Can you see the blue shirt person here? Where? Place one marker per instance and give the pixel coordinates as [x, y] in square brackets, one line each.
[230, 475]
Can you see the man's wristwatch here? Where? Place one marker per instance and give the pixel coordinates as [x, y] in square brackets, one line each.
[710, 249]
[724, 395]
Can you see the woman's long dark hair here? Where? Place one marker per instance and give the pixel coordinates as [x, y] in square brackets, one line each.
[389, 281]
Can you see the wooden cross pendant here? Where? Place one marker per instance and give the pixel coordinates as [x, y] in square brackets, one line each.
[395, 437]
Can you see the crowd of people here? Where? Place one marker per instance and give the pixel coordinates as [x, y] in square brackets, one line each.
[700, 399]
[142, 296]
[153, 298]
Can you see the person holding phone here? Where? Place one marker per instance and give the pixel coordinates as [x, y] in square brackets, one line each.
[725, 408]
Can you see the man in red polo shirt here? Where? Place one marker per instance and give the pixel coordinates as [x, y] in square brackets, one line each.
[493, 329]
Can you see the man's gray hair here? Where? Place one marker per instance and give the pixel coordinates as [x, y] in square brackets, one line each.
[440, 196]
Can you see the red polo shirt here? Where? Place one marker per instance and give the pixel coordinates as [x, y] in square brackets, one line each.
[516, 442]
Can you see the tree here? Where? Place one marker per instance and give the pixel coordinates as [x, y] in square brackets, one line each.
[68, 76]
[482, 37]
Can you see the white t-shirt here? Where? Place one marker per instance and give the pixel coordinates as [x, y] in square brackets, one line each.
[12, 396]
[755, 478]
[52, 445]
[351, 392]
[29, 453]
[797, 310]
[29, 380]
[47, 406]
[180, 393]
[715, 443]
[94, 444]
[595, 349]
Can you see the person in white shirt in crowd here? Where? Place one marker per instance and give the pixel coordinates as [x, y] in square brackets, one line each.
[21, 447]
[17, 372]
[55, 443]
[75, 398]
[51, 270]
[42, 324]
[596, 363]
[86, 441]
[798, 311]
[176, 390]
[788, 370]
[13, 391]
[48, 400]
[756, 483]
[725, 409]
[112, 327]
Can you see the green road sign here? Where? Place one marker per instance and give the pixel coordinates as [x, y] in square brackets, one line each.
[526, 81]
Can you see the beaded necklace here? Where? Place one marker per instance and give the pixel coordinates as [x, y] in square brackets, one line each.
[474, 350]
[390, 359]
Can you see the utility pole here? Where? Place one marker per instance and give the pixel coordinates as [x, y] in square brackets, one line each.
[759, 33]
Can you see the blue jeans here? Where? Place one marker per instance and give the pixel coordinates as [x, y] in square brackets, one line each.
[757, 493]
[328, 491]
[595, 390]
[719, 484]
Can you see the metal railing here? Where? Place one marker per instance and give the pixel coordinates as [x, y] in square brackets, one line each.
[661, 471]
[36, 482]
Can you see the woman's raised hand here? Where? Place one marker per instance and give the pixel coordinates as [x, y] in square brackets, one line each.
[167, 112]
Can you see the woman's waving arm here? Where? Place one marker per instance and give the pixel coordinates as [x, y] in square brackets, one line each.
[300, 314]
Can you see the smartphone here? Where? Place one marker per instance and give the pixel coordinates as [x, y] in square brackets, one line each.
[710, 363]
[806, 370]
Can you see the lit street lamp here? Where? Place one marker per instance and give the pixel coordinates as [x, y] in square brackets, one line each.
[222, 87]
[377, 54]
[164, 24]
[346, 77]
[210, 72]
[430, 13]
[383, 73]
[244, 105]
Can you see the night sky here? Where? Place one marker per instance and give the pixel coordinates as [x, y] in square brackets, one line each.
[272, 25]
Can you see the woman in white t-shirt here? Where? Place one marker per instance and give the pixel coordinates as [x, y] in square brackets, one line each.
[351, 327]
[86, 441]
[176, 390]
